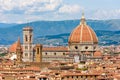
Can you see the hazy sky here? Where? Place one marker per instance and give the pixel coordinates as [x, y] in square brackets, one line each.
[19, 11]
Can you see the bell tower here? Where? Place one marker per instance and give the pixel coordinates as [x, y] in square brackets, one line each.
[27, 44]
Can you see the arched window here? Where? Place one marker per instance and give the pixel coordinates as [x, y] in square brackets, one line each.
[37, 50]
[26, 38]
[55, 53]
[30, 38]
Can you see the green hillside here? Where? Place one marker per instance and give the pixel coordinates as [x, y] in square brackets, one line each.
[10, 33]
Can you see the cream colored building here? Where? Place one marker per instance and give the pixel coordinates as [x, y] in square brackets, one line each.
[83, 41]
[82, 45]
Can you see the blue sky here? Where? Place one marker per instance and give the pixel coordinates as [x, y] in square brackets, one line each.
[21, 11]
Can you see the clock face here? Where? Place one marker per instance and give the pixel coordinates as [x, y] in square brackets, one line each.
[76, 58]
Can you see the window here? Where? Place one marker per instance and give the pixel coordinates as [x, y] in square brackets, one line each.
[62, 78]
[30, 47]
[86, 47]
[76, 76]
[26, 47]
[37, 50]
[67, 76]
[26, 54]
[26, 38]
[30, 38]
[76, 47]
[72, 76]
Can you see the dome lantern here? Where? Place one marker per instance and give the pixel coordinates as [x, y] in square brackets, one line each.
[83, 21]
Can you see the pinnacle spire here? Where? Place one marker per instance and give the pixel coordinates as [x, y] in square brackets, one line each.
[83, 21]
[18, 43]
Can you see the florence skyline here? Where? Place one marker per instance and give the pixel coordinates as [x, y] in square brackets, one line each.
[14, 11]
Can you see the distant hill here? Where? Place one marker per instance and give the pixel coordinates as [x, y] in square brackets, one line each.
[5, 25]
[10, 32]
[105, 38]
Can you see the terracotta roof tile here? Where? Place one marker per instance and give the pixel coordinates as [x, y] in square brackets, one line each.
[97, 54]
[83, 33]
[14, 46]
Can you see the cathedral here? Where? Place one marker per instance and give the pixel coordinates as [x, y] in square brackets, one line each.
[82, 46]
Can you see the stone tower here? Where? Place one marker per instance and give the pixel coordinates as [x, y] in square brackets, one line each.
[38, 53]
[19, 52]
[27, 44]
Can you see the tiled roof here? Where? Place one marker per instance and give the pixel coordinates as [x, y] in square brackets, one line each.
[97, 54]
[14, 46]
[83, 34]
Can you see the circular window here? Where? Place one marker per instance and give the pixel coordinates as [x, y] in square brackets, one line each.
[76, 47]
[86, 47]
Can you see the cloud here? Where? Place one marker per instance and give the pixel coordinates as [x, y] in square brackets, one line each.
[24, 10]
[29, 6]
[70, 9]
[107, 14]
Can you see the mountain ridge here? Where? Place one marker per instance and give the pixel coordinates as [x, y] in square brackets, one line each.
[9, 34]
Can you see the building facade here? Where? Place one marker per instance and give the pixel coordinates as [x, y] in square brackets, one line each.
[83, 41]
[82, 45]
[28, 44]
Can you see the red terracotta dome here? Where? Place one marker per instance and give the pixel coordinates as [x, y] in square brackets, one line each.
[12, 48]
[83, 34]
[15, 46]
